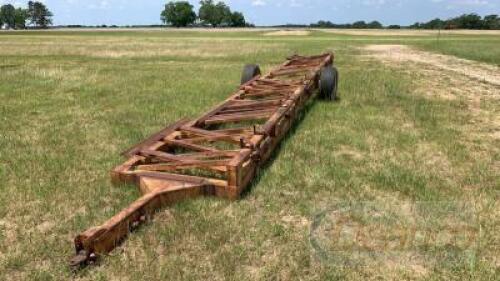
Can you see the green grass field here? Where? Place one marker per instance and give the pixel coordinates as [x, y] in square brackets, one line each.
[72, 101]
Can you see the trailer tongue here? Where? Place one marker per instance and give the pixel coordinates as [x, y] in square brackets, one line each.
[217, 154]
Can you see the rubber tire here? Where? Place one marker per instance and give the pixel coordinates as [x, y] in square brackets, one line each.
[249, 72]
[328, 83]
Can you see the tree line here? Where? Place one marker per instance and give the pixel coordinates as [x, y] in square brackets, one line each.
[358, 24]
[466, 21]
[36, 15]
[182, 14]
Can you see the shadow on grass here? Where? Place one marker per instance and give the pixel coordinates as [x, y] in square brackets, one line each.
[262, 169]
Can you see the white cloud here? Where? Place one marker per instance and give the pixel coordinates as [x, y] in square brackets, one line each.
[259, 3]
[295, 4]
[374, 2]
[101, 5]
[470, 2]
[463, 2]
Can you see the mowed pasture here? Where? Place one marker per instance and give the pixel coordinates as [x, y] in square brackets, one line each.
[405, 131]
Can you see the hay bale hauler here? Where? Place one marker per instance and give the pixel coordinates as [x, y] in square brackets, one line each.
[217, 154]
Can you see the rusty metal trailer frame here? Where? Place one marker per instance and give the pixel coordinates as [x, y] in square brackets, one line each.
[217, 154]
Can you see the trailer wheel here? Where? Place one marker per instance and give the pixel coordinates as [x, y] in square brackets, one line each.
[249, 72]
[328, 83]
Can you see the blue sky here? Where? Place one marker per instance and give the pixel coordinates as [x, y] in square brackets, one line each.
[270, 12]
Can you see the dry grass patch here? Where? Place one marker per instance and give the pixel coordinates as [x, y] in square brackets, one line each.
[349, 153]
[123, 48]
[288, 33]
[402, 53]
[442, 76]
[476, 85]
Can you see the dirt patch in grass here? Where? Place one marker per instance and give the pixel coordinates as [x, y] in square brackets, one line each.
[473, 84]
[446, 77]
[288, 33]
[349, 153]
[8, 230]
[295, 221]
[401, 53]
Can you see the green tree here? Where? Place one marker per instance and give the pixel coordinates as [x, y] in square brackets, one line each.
[468, 21]
[394, 26]
[237, 19]
[39, 15]
[323, 24]
[8, 15]
[21, 17]
[207, 11]
[178, 14]
[416, 25]
[492, 22]
[214, 14]
[434, 24]
[359, 24]
[375, 25]
[223, 13]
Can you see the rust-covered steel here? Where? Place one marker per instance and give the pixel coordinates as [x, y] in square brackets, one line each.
[216, 154]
